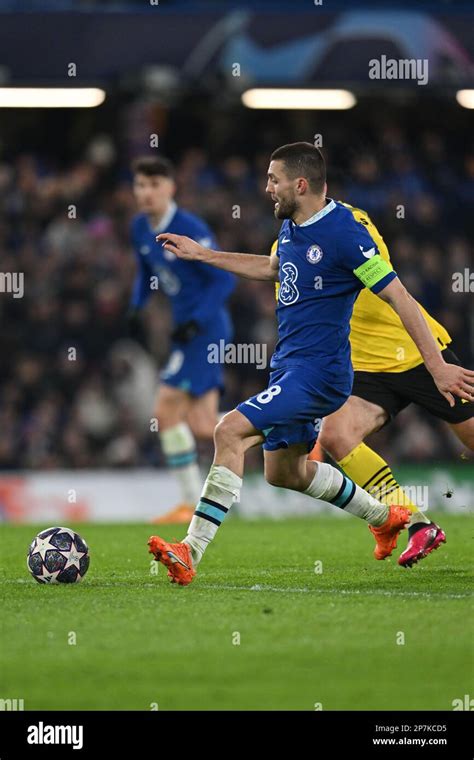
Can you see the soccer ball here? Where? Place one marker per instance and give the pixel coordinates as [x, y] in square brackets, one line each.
[58, 555]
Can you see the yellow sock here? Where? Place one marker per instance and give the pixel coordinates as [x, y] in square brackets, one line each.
[372, 473]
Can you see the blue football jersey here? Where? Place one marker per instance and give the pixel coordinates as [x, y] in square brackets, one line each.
[324, 263]
[196, 291]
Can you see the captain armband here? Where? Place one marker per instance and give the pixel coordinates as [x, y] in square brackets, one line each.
[372, 271]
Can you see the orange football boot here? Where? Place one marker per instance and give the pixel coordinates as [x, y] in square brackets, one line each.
[386, 535]
[176, 557]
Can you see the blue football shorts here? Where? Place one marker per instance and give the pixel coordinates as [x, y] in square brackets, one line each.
[190, 367]
[291, 408]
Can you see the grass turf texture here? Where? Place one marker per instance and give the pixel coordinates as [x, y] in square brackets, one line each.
[305, 638]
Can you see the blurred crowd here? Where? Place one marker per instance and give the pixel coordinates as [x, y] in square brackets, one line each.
[75, 391]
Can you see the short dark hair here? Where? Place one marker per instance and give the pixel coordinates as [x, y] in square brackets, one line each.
[152, 166]
[303, 159]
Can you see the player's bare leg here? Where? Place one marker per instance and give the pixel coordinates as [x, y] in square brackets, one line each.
[203, 415]
[172, 408]
[465, 432]
[342, 437]
[291, 468]
[346, 428]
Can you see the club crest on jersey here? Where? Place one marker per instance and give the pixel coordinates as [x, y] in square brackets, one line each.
[288, 292]
[314, 254]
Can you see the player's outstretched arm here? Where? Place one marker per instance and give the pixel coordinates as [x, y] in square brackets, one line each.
[449, 378]
[249, 265]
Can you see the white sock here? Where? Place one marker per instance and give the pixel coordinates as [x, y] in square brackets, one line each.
[221, 489]
[179, 448]
[329, 484]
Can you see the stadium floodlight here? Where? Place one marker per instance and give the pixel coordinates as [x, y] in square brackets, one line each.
[51, 97]
[282, 98]
[465, 98]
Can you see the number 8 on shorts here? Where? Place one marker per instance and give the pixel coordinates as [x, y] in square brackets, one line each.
[265, 396]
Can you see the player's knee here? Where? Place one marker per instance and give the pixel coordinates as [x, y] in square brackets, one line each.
[335, 443]
[169, 412]
[167, 418]
[226, 433]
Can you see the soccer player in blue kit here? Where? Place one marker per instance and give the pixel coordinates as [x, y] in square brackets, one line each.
[187, 399]
[324, 258]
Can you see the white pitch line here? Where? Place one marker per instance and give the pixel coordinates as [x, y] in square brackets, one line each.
[276, 589]
[343, 592]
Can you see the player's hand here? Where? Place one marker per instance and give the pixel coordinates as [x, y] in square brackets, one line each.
[453, 380]
[182, 246]
[185, 332]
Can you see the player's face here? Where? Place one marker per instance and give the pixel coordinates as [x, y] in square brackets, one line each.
[282, 190]
[153, 194]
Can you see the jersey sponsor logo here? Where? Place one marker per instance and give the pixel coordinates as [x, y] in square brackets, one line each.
[314, 254]
[145, 249]
[289, 293]
[368, 254]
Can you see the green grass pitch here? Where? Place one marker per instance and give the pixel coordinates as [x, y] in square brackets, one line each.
[330, 638]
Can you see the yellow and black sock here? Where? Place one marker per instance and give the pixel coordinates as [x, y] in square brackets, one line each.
[367, 468]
